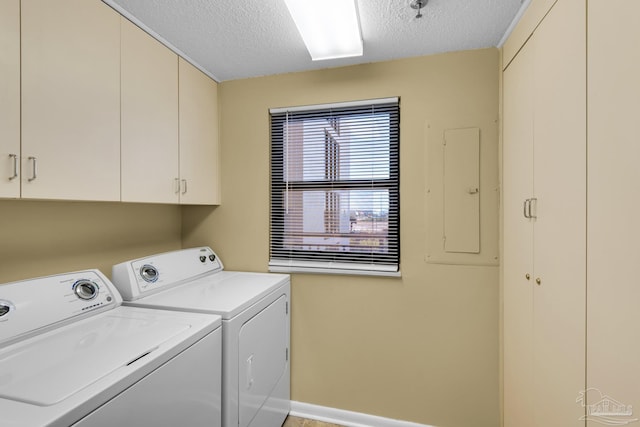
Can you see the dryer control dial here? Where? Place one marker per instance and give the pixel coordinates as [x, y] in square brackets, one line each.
[85, 289]
[149, 273]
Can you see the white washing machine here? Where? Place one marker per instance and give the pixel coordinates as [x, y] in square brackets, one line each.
[255, 324]
[72, 355]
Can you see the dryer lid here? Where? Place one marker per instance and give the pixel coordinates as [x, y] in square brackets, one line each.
[226, 293]
[50, 367]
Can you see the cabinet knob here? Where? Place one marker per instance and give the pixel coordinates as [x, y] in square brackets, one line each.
[527, 276]
[538, 281]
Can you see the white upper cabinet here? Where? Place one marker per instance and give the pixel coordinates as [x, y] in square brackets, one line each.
[93, 108]
[199, 151]
[10, 98]
[149, 119]
[70, 100]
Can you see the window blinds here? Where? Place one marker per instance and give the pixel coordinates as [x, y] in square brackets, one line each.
[335, 187]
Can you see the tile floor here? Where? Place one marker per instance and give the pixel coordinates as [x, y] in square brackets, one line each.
[301, 422]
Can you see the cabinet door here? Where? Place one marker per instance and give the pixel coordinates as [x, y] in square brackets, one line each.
[70, 100]
[545, 159]
[149, 118]
[517, 180]
[559, 229]
[199, 157]
[613, 229]
[10, 96]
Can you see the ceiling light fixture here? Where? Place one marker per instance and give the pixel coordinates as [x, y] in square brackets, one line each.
[330, 28]
[418, 4]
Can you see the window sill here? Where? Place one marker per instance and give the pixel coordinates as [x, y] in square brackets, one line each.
[332, 268]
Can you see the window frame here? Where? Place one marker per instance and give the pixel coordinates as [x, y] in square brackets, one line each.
[323, 261]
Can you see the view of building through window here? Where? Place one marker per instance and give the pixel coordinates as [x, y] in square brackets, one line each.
[324, 155]
[335, 186]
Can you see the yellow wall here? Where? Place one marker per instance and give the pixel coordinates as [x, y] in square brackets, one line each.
[421, 348]
[39, 238]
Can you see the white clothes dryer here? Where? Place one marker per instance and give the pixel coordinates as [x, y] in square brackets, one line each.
[255, 324]
[72, 355]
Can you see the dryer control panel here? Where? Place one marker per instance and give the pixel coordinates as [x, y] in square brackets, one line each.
[31, 305]
[144, 276]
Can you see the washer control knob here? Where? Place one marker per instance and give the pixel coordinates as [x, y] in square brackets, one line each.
[85, 289]
[203, 258]
[212, 257]
[5, 308]
[149, 273]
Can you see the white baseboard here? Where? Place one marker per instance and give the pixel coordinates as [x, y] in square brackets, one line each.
[345, 418]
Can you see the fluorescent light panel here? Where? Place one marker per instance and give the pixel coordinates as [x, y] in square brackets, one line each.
[330, 28]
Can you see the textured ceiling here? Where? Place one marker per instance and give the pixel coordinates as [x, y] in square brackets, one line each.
[232, 39]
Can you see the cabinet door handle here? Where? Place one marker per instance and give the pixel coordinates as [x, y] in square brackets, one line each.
[14, 157]
[529, 208]
[184, 186]
[177, 185]
[34, 171]
[532, 211]
[538, 281]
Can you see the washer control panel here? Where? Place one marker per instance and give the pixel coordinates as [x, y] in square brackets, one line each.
[29, 305]
[141, 277]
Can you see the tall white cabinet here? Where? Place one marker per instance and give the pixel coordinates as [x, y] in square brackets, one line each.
[70, 100]
[613, 228]
[10, 98]
[544, 220]
[517, 258]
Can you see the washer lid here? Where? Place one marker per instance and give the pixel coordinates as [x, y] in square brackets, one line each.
[48, 368]
[226, 293]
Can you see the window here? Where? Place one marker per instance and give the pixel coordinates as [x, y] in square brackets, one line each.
[335, 188]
